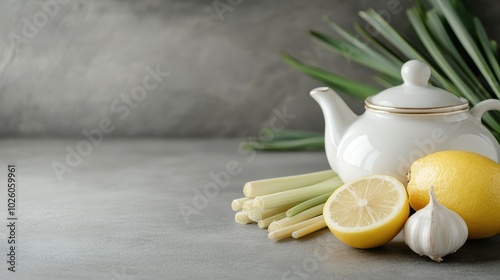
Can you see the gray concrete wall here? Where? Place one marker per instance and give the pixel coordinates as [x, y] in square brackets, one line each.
[74, 65]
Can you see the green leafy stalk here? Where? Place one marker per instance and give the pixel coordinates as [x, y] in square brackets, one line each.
[383, 50]
[457, 23]
[404, 46]
[449, 69]
[485, 44]
[436, 26]
[310, 143]
[335, 81]
[377, 61]
[308, 204]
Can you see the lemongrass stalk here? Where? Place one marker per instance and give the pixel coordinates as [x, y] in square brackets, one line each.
[248, 205]
[295, 196]
[302, 216]
[264, 223]
[287, 232]
[308, 204]
[242, 218]
[256, 215]
[274, 185]
[309, 229]
[274, 226]
[237, 204]
[306, 143]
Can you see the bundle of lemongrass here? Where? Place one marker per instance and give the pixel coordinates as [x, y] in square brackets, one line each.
[287, 206]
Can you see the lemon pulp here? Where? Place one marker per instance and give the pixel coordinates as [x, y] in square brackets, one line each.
[367, 212]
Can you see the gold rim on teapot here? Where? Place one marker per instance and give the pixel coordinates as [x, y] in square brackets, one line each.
[417, 111]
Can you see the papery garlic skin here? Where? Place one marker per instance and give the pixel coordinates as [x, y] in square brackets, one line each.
[435, 231]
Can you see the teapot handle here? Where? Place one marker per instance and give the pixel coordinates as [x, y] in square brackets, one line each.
[482, 107]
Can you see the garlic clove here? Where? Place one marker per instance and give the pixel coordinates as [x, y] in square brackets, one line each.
[435, 231]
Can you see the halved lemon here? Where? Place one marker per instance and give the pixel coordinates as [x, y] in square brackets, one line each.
[367, 212]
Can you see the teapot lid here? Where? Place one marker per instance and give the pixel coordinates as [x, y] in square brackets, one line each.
[415, 95]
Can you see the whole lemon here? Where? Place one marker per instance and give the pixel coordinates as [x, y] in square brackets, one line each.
[465, 182]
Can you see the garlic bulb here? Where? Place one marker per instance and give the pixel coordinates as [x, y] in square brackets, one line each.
[435, 231]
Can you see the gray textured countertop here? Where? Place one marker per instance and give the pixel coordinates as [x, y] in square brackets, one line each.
[116, 214]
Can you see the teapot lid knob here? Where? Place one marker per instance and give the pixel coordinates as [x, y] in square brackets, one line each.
[415, 72]
[416, 95]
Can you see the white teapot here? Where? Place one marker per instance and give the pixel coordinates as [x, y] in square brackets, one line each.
[400, 125]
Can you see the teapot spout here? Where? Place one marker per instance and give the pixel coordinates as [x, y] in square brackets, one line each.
[338, 117]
